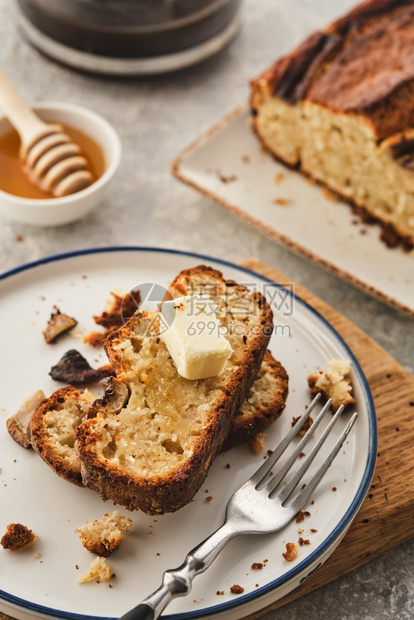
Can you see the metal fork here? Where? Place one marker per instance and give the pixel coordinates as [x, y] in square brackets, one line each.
[259, 506]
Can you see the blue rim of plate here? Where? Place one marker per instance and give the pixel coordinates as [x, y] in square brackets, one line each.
[336, 532]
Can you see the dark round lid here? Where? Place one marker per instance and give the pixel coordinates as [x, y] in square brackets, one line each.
[127, 29]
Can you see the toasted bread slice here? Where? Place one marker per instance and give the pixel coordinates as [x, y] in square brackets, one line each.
[263, 405]
[154, 453]
[52, 428]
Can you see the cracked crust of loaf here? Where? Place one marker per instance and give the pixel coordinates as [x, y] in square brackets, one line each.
[340, 109]
[51, 430]
[156, 452]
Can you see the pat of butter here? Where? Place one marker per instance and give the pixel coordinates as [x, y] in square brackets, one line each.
[194, 336]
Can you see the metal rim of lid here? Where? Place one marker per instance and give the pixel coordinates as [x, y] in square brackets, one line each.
[107, 65]
[60, 11]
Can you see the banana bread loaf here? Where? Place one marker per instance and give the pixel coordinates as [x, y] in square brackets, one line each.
[340, 109]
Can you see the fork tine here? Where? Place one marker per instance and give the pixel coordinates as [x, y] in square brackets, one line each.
[303, 497]
[292, 484]
[277, 478]
[259, 475]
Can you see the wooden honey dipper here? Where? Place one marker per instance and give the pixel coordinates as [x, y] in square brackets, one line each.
[51, 158]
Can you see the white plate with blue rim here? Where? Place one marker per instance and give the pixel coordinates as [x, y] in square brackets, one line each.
[41, 580]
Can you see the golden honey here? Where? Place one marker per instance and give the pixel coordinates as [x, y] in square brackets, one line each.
[13, 176]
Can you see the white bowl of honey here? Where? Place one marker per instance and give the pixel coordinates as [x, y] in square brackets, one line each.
[24, 201]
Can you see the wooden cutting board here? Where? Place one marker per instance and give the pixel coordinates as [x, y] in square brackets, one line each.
[386, 517]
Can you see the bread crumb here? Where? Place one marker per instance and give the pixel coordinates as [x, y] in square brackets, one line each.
[333, 382]
[94, 338]
[282, 201]
[98, 569]
[303, 542]
[258, 442]
[105, 536]
[118, 309]
[257, 565]
[306, 426]
[229, 178]
[57, 325]
[291, 552]
[236, 589]
[301, 515]
[73, 368]
[37, 556]
[18, 423]
[17, 537]
[279, 176]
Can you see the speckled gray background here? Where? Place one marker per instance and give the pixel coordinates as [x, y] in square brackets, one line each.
[156, 117]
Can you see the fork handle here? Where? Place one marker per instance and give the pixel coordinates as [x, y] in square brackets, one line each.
[178, 581]
[140, 612]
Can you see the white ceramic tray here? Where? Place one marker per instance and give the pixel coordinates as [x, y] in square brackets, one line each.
[31, 493]
[229, 166]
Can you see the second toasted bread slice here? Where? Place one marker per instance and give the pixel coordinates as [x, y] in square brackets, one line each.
[155, 452]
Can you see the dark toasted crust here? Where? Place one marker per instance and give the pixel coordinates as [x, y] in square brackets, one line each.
[15, 432]
[245, 426]
[104, 549]
[122, 308]
[363, 62]
[176, 488]
[183, 282]
[17, 537]
[73, 368]
[40, 441]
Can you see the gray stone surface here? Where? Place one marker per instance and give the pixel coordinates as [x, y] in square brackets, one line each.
[156, 117]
